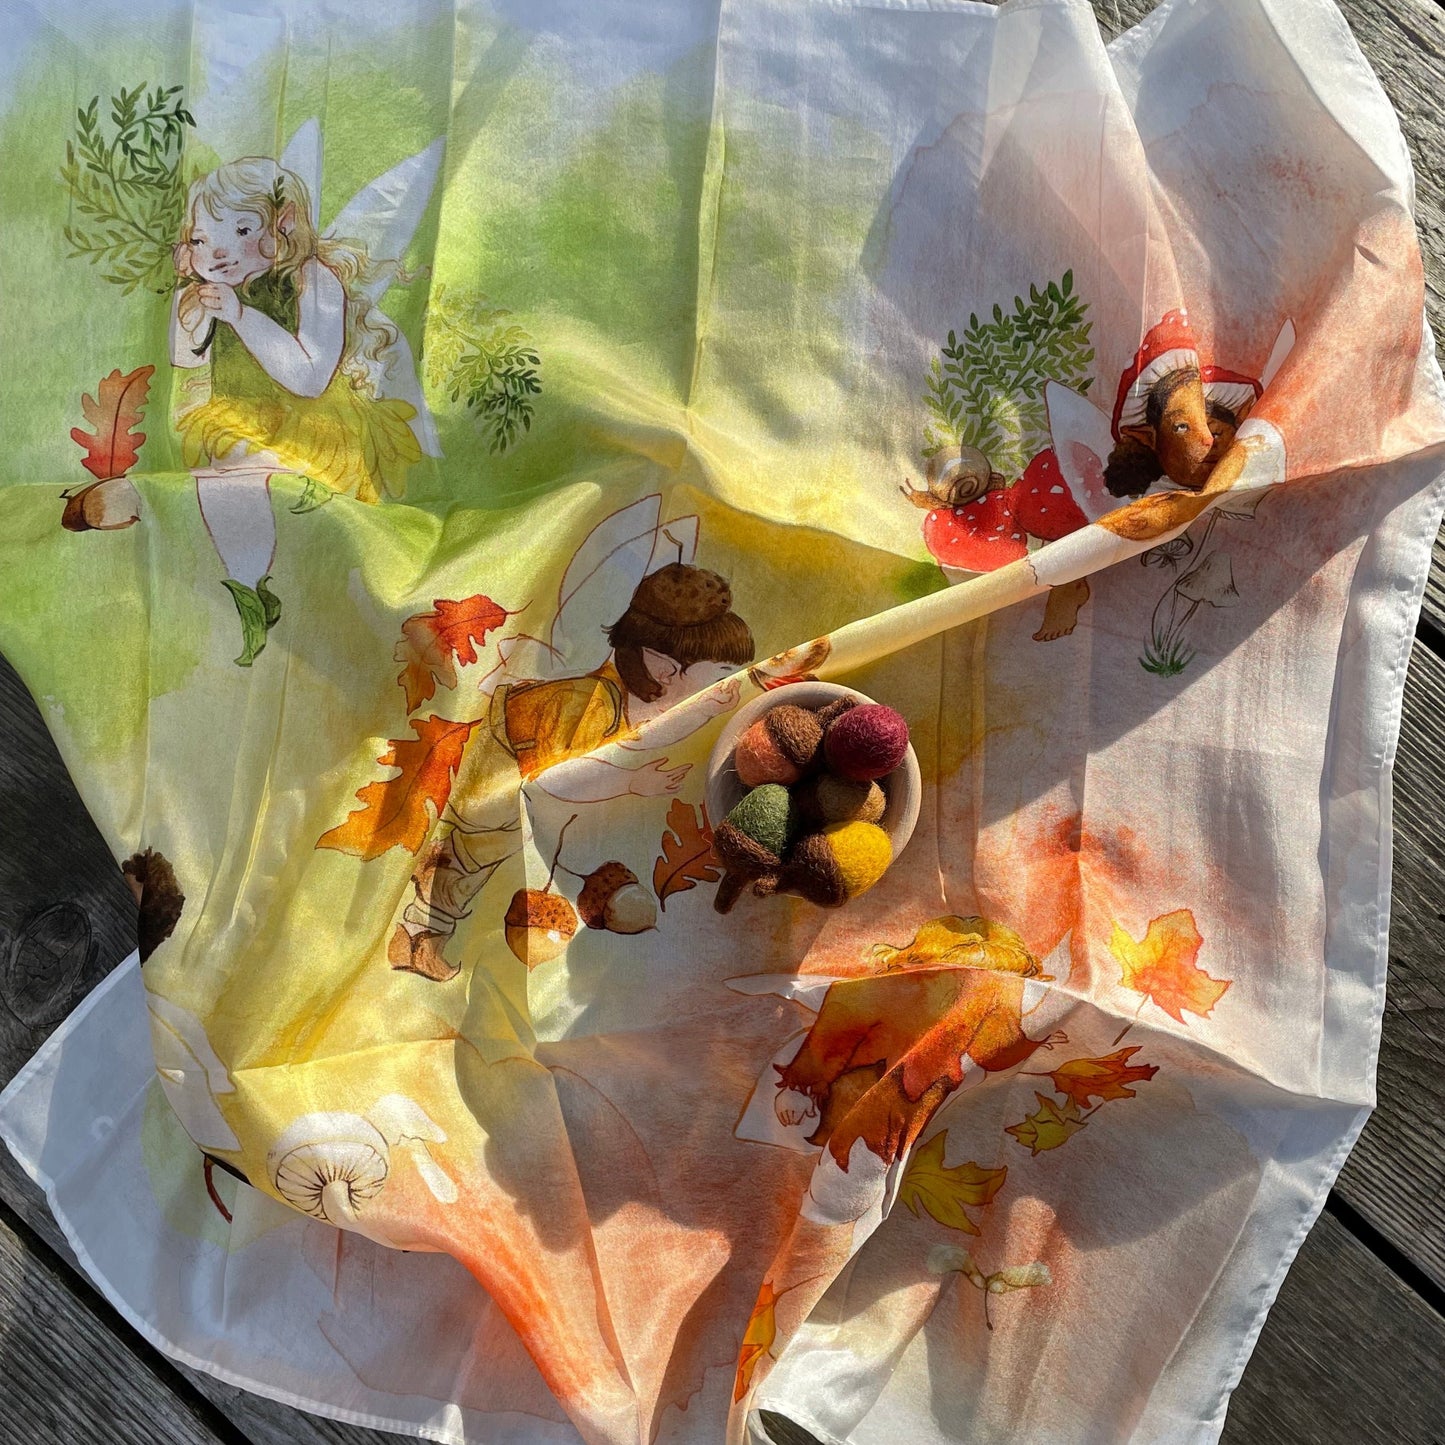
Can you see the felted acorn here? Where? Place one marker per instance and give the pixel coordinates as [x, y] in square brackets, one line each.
[831, 712]
[750, 843]
[831, 799]
[538, 925]
[613, 899]
[779, 748]
[866, 742]
[842, 861]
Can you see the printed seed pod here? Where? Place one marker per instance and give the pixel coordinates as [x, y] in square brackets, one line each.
[539, 925]
[613, 899]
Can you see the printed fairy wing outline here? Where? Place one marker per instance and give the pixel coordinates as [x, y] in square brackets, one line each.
[383, 215]
[595, 591]
[302, 157]
[1082, 438]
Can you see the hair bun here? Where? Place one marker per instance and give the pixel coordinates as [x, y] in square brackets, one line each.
[679, 595]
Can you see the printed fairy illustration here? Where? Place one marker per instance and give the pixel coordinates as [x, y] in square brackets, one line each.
[639, 628]
[1009, 399]
[885, 1050]
[1175, 415]
[298, 369]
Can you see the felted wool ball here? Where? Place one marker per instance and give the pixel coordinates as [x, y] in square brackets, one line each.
[868, 741]
[832, 799]
[779, 748]
[750, 842]
[842, 861]
[764, 815]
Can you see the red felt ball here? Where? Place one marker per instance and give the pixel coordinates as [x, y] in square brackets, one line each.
[866, 742]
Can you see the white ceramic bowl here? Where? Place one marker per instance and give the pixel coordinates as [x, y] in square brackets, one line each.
[903, 787]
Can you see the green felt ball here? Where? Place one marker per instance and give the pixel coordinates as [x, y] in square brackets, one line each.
[765, 814]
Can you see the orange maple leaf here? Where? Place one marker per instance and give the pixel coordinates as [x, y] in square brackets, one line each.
[433, 643]
[1161, 965]
[399, 812]
[1051, 1126]
[113, 448]
[758, 1338]
[1083, 1080]
[687, 856]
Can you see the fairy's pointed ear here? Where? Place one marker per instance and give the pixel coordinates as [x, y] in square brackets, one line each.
[1144, 435]
[286, 218]
[660, 667]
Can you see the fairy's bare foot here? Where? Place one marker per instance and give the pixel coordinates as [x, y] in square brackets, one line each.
[1061, 610]
[421, 952]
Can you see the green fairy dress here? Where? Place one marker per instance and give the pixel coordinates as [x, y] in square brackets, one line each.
[346, 438]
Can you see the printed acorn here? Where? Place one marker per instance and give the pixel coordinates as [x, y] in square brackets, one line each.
[750, 843]
[842, 861]
[612, 898]
[867, 742]
[779, 748]
[539, 925]
[831, 799]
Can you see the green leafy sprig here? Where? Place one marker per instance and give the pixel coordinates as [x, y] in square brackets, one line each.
[475, 353]
[985, 389]
[127, 188]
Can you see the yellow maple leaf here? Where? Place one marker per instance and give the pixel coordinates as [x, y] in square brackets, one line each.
[1050, 1126]
[943, 1191]
[758, 1338]
[1161, 965]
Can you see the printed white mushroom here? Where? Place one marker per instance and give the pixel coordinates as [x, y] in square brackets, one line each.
[1212, 581]
[404, 1122]
[329, 1165]
[190, 1073]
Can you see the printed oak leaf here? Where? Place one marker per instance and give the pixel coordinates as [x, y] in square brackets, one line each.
[1051, 1126]
[944, 1258]
[434, 643]
[118, 407]
[1161, 965]
[687, 855]
[1084, 1080]
[758, 1338]
[945, 1192]
[399, 812]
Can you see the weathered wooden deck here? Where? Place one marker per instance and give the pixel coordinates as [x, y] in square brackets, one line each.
[1354, 1350]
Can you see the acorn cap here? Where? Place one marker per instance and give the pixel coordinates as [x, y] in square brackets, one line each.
[597, 891]
[813, 871]
[537, 908]
[832, 711]
[795, 732]
[679, 595]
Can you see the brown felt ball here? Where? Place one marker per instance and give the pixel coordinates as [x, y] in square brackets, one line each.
[779, 748]
[831, 799]
[842, 861]
[868, 741]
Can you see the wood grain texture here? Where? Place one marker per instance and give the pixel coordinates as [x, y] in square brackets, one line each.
[1396, 1176]
[66, 1376]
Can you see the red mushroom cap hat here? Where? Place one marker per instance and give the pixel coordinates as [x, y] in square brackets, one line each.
[1170, 346]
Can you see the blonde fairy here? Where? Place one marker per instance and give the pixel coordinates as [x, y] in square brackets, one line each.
[301, 369]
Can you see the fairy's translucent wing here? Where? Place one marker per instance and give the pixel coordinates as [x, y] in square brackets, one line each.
[676, 541]
[595, 591]
[384, 215]
[400, 380]
[1082, 439]
[302, 157]
[600, 580]
[1283, 345]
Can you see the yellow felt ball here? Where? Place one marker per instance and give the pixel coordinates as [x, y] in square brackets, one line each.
[862, 851]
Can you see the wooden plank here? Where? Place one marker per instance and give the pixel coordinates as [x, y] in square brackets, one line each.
[1396, 1176]
[66, 1375]
[1348, 1356]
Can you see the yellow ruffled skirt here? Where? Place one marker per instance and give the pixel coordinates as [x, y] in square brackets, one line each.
[356, 444]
